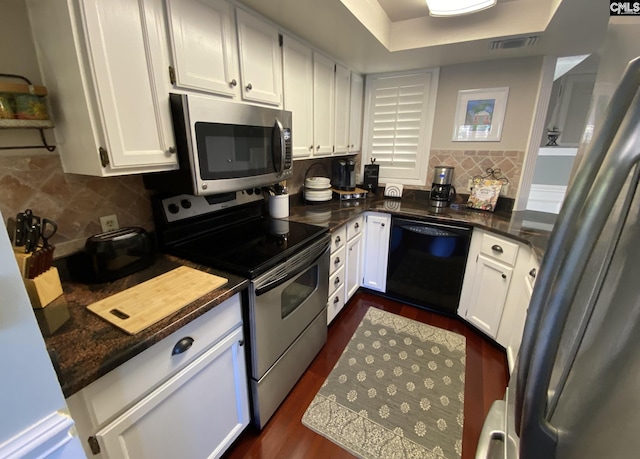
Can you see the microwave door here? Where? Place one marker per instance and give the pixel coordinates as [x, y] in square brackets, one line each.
[278, 146]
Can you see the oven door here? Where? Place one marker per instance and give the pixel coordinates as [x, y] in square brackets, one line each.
[284, 301]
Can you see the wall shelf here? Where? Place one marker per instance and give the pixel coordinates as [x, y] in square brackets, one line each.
[11, 89]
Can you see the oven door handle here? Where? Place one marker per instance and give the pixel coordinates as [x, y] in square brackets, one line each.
[288, 275]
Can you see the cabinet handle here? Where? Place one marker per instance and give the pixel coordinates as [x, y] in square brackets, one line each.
[233, 83]
[172, 150]
[336, 300]
[533, 273]
[504, 276]
[317, 147]
[310, 147]
[337, 281]
[241, 342]
[497, 248]
[249, 87]
[356, 226]
[336, 261]
[182, 345]
[382, 224]
[338, 240]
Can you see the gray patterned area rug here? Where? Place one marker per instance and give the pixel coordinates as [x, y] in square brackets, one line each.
[397, 391]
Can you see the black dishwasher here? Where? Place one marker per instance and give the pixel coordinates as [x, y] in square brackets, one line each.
[427, 262]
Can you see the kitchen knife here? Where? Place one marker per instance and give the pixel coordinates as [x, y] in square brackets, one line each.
[33, 235]
[21, 227]
[49, 228]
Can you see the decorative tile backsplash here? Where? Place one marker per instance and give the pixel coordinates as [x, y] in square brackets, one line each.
[469, 163]
[74, 202]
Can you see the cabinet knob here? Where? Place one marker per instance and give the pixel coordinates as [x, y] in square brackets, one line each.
[533, 273]
[336, 300]
[504, 276]
[172, 150]
[233, 83]
[336, 261]
[496, 248]
[337, 239]
[182, 345]
[317, 147]
[356, 226]
[382, 224]
[249, 87]
[241, 343]
[310, 147]
[337, 281]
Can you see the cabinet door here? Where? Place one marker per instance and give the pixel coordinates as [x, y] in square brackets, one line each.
[260, 60]
[355, 112]
[354, 266]
[211, 397]
[203, 37]
[297, 61]
[376, 251]
[323, 104]
[341, 121]
[128, 56]
[489, 292]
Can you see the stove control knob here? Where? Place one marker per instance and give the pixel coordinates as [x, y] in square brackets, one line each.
[185, 203]
[257, 190]
[250, 191]
[173, 208]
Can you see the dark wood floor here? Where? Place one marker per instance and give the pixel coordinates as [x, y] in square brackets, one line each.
[284, 436]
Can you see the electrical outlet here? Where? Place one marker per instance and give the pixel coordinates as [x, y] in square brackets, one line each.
[109, 223]
[504, 190]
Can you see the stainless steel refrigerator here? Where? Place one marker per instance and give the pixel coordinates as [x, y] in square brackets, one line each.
[575, 389]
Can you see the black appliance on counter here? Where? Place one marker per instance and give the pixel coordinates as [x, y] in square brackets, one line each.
[287, 264]
[427, 262]
[343, 176]
[370, 177]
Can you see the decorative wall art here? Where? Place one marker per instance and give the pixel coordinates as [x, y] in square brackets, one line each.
[480, 115]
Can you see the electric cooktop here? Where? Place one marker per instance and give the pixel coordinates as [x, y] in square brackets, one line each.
[238, 239]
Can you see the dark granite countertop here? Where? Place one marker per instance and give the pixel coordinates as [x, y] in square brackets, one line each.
[533, 228]
[87, 347]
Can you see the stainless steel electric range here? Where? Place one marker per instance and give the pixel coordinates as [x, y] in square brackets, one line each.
[288, 267]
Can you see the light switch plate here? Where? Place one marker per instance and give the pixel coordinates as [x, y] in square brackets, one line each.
[393, 190]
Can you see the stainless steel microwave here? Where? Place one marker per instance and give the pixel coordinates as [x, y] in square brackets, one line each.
[224, 146]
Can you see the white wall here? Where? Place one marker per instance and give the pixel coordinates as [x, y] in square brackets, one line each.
[521, 75]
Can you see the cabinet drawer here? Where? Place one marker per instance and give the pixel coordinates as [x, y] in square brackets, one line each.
[355, 227]
[499, 248]
[337, 260]
[116, 390]
[336, 281]
[338, 238]
[335, 304]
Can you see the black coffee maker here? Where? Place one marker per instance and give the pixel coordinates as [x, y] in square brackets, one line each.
[442, 191]
[343, 175]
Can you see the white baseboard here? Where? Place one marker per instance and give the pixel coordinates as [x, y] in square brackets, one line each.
[546, 198]
[49, 438]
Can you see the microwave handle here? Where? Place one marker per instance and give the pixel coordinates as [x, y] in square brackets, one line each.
[278, 146]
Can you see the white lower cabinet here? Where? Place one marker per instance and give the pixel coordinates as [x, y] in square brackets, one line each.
[195, 414]
[489, 292]
[354, 266]
[376, 250]
[166, 404]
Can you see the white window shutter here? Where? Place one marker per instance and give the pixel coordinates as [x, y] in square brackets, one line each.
[399, 119]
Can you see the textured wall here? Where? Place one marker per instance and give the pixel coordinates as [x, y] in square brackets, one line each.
[73, 201]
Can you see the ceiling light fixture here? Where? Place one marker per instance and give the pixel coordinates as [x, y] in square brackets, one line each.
[457, 7]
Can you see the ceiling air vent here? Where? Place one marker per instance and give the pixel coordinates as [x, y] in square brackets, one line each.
[511, 43]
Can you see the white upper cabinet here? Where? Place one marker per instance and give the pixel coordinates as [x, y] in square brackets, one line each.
[260, 60]
[342, 103]
[323, 104]
[297, 63]
[106, 63]
[355, 113]
[203, 35]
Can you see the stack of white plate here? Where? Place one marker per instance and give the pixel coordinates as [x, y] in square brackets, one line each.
[317, 189]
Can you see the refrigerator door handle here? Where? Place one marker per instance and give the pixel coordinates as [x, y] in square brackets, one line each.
[566, 224]
[619, 162]
[492, 429]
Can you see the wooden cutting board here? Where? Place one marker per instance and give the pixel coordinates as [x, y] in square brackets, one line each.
[136, 308]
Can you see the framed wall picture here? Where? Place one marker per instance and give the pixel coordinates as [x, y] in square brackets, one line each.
[480, 115]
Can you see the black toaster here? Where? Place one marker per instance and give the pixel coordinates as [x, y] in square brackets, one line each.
[118, 253]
